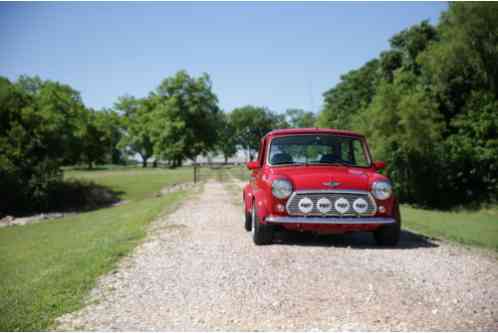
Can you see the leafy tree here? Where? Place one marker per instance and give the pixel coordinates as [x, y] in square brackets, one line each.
[403, 125]
[38, 120]
[138, 122]
[94, 138]
[429, 107]
[349, 97]
[112, 124]
[62, 109]
[298, 118]
[251, 123]
[226, 142]
[185, 115]
[410, 42]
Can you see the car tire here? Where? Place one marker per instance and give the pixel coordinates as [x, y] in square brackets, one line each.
[261, 234]
[389, 235]
[247, 222]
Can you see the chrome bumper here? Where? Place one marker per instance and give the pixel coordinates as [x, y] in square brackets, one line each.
[329, 220]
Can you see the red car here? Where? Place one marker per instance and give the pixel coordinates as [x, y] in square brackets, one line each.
[319, 180]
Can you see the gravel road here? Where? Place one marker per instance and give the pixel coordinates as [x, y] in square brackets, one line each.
[199, 270]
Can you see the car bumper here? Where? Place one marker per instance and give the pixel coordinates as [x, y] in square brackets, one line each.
[329, 220]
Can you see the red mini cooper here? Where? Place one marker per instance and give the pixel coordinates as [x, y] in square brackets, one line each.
[319, 180]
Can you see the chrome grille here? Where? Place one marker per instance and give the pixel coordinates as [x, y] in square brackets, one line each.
[332, 195]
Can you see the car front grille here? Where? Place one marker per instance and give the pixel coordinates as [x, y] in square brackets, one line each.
[332, 195]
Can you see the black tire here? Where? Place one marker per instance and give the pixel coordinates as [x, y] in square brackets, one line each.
[247, 223]
[388, 235]
[262, 234]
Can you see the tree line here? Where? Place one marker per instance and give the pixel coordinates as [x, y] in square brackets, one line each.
[428, 106]
[45, 126]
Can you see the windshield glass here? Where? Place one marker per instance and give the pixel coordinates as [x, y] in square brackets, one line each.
[318, 149]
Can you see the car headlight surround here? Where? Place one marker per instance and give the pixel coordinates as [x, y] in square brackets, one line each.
[382, 190]
[281, 188]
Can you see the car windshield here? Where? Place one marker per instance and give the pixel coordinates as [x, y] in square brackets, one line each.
[318, 149]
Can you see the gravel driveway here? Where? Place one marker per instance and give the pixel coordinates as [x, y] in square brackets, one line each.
[199, 270]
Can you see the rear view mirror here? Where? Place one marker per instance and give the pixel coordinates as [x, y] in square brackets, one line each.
[252, 165]
[379, 165]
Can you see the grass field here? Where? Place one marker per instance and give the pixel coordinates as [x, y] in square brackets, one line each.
[135, 183]
[478, 228]
[46, 269]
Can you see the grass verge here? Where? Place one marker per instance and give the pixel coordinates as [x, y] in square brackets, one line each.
[478, 228]
[46, 269]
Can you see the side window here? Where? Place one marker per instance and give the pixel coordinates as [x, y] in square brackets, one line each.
[359, 154]
[346, 151]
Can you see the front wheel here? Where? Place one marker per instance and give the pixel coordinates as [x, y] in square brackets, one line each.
[388, 235]
[262, 234]
[247, 222]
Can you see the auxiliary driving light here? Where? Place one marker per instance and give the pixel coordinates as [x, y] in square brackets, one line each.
[360, 206]
[305, 205]
[341, 205]
[324, 205]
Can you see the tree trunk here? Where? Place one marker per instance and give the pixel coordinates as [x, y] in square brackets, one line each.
[90, 165]
[226, 159]
[144, 163]
[154, 164]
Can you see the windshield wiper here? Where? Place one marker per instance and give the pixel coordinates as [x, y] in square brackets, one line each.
[284, 162]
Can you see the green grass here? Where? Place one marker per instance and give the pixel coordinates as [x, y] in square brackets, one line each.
[478, 228]
[46, 269]
[135, 183]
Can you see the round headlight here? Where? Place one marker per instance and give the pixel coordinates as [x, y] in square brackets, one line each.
[281, 188]
[382, 190]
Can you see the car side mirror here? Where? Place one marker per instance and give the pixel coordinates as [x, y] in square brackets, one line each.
[252, 165]
[379, 165]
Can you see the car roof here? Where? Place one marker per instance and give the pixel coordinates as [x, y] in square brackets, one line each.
[314, 130]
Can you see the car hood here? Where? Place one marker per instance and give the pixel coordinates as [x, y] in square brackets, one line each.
[308, 177]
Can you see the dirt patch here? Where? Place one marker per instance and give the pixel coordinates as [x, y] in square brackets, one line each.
[176, 188]
[9, 221]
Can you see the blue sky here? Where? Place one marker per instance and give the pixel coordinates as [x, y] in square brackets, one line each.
[279, 55]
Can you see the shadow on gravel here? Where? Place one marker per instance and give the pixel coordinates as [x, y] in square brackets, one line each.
[356, 240]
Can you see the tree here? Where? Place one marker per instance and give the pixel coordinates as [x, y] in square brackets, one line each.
[38, 121]
[226, 143]
[251, 123]
[429, 107]
[403, 126]
[353, 94]
[410, 42]
[94, 138]
[298, 118]
[185, 115]
[138, 122]
[113, 126]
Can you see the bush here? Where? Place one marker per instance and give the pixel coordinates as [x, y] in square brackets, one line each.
[37, 133]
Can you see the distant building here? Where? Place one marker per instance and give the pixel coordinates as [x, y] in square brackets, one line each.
[239, 158]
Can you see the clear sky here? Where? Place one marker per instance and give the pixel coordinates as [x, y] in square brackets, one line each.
[279, 55]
